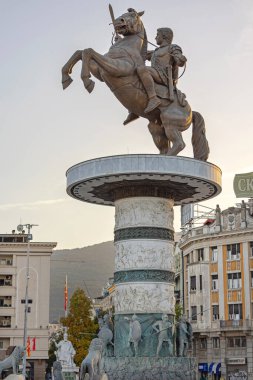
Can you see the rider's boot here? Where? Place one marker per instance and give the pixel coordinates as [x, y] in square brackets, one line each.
[153, 103]
[131, 117]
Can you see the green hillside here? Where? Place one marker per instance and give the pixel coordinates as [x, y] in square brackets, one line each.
[88, 268]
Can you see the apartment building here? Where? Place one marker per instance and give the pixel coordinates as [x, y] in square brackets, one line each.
[13, 269]
[218, 292]
[106, 301]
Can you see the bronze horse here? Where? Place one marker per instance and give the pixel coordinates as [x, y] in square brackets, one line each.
[117, 69]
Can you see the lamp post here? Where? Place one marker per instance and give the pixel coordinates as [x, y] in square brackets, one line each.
[29, 238]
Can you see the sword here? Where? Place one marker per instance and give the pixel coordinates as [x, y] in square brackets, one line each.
[113, 19]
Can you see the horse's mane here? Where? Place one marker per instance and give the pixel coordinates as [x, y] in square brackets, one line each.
[144, 48]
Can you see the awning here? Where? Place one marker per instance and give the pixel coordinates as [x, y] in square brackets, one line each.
[218, 368]
[214, 368]
[210, 370]
[203, 367]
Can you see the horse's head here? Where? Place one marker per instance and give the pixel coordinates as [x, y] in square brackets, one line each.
[129, 23]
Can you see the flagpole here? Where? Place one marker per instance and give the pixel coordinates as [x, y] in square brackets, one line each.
[66, 296]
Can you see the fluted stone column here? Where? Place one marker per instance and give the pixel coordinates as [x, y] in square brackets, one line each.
[144, 265]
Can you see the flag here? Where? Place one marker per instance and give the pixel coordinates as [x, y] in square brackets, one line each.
[28, 347]
[33, 344]
[66, 295]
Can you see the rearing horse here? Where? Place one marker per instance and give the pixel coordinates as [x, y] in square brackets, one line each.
[117, 69]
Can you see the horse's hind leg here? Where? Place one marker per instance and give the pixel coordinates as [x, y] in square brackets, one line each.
[159, 137]
[67, 68]
[175, 137]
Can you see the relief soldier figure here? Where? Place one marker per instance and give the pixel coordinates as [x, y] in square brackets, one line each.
[163, 328]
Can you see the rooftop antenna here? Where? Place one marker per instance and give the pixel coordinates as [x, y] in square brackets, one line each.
[20, 228]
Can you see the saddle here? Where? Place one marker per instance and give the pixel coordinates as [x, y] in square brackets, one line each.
[162, 91]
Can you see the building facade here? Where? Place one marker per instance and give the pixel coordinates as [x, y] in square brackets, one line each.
[13, 273]
[105, 303]
[218, 292]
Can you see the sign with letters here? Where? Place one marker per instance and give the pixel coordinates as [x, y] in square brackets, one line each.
[243, 185]
[236, 361]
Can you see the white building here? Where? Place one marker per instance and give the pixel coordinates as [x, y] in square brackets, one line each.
[13, 267]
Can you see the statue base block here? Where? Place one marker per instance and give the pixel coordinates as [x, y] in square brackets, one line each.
[150, 368]
[70, 373]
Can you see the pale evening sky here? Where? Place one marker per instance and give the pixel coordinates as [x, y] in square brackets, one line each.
[45, 130]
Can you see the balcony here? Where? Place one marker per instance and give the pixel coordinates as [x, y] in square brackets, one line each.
[235, 324]
[7, 311]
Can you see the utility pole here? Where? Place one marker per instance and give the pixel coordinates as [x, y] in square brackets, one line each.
[20, 228]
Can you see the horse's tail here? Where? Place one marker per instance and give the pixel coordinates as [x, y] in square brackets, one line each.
[199, 141]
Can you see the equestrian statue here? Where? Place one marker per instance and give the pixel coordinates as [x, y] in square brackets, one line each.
[146, 91]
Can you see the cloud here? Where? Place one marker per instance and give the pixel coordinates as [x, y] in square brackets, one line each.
[31, 205]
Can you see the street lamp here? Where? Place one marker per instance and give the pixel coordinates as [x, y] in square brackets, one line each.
[20, 228]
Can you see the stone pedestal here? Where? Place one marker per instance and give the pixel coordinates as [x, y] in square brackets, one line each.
[144, 190]
[70, 373]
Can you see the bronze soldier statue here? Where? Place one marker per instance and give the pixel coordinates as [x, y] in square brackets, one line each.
[165, 61]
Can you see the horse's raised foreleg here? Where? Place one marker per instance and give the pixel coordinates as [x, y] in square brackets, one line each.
[67, 68]
[85, 73]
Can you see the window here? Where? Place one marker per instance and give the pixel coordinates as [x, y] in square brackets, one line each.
[193, 283]
[216, 342]
[1, 345]
[6, 280]
[203, 343]
[251, 248]
[187, 259]
[233, 251]
[29, 301]
[200, 282]
[251, 273]
[194, 313]
[236, 342]
[215, 282]
[201, 310]
[215, 309]
[200, 254]
[234, 280]
[214, 252]
[235, 311]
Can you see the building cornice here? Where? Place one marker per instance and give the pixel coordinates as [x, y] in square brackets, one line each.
[215, 236]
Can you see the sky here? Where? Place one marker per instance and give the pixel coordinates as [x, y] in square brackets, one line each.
[45, 130]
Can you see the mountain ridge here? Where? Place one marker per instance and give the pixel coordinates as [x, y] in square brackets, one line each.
[83, 267]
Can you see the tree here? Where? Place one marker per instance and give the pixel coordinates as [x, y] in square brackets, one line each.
[178, 311]
[81, 328]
